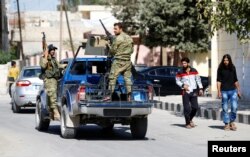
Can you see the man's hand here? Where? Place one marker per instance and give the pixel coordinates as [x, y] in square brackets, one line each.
[219, 94]
[186, 87]
[46, 53]
[108, 43]
[239, 94]
[201, 92]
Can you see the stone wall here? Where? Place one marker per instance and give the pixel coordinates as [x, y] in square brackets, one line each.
[240, 53]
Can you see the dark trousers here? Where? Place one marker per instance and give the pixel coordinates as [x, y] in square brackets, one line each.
[190, 103]
[10, 84]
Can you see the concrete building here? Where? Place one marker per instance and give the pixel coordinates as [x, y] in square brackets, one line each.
[34, 23]
[94, 12]
[223, 43]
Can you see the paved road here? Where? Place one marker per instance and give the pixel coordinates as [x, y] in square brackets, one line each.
[166, 137]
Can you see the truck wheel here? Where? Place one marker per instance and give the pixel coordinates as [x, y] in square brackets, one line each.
[138, 127]
[66, 132]
[41, 123]
[16, 108]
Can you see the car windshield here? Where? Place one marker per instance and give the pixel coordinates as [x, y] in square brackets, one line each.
[31, 72]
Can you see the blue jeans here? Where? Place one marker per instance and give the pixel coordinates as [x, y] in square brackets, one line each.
[226, 96]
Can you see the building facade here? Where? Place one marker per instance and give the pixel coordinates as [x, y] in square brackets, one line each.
[223, 43]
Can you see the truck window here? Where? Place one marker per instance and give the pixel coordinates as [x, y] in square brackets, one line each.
[79, 68]
[92, 67]
[31, 72]
[96, 67]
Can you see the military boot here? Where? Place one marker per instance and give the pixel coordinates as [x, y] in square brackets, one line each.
[56, 114]
[51, 114]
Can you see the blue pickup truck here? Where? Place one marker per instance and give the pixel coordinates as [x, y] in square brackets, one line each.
[81, 93]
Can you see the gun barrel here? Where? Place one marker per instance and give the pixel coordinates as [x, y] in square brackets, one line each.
[105, 29]
[44, 44]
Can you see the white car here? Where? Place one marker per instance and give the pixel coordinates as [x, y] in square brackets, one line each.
[25, 89]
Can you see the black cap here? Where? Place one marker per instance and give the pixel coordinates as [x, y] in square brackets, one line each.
[51, 47]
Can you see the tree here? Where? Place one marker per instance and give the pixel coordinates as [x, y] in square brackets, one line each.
[127, 11]
[174, 23]
[231, 15]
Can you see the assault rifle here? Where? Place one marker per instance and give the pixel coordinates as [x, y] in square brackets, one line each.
[44, 43]
[109, 35]
[44, 46]
[110, 38]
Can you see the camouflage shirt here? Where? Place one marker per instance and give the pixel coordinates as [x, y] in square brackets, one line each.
[122, 47]
[50, 67]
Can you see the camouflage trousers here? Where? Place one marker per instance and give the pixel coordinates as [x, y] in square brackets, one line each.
[120, 67]
[51, 89]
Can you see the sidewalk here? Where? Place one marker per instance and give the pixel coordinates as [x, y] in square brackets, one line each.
[209, 108]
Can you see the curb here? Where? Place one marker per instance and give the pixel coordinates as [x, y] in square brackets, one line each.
[206, 113]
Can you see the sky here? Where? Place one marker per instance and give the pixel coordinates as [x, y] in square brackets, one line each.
[34, 5]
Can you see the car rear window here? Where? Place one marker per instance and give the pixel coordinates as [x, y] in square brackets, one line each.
[31, 72]
[163, 72]
[90, 67]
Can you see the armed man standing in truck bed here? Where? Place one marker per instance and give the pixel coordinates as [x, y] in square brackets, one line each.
[121, 50]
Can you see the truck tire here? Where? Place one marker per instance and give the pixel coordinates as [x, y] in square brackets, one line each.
[138, 127]
[66, 132]
[16, 108]
[42, 124]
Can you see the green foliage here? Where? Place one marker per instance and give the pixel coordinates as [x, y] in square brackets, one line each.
[7, 56]
[164, 23]
[231, 15]
[127, 11]
[174, 23]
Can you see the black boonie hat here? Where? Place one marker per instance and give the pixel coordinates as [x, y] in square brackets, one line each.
[51, 47]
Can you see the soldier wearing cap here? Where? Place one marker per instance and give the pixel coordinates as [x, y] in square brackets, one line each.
[50, 76]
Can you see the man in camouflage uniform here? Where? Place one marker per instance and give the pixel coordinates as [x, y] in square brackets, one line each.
[50, 75]
[121, 50]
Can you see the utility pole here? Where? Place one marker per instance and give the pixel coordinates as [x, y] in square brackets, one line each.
[67, 19]
[3, 27]
[20, 31]
[61, 29]
[1, 24]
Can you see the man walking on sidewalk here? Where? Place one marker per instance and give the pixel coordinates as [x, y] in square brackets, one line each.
[188, 79]
[228, 89]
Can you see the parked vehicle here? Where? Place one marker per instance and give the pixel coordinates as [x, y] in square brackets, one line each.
[140, 67]
[81, 93]
[26, 88]
[165, 77]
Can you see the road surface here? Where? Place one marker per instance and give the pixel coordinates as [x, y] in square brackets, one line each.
[166, 136]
